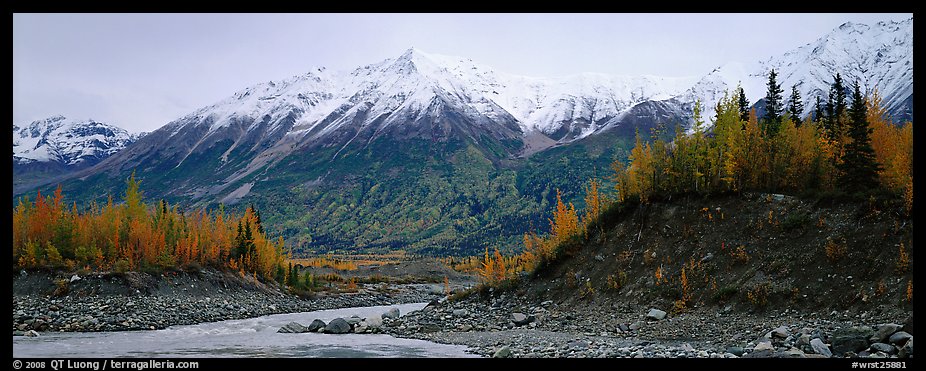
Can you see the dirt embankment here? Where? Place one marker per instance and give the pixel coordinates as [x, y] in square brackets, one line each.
[750, 253]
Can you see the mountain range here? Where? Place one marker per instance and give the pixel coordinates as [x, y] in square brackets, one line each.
[58, 145]
[435, 153]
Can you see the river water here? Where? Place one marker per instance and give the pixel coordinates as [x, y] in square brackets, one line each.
[253, 337]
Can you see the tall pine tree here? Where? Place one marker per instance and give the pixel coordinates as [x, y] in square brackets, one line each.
[743, 104]
[835, 108]
[795, 106]
[773, 106]
[858, 171]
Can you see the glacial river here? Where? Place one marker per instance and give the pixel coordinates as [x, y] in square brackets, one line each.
[253, 337]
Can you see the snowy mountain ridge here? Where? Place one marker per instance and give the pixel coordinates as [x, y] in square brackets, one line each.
[68, 142]
[562, 108]
[878, 56]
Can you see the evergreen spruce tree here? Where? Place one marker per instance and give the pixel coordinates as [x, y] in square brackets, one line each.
[795, 106]
[835, 108]
[743, 104]
[858, 171]
[773, 106]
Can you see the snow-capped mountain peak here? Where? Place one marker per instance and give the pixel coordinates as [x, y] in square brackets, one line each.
[68, 142]
[877, 56]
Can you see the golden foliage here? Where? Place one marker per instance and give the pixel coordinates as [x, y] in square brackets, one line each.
[134, 236]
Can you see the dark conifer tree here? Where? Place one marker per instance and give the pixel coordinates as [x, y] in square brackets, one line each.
[743, 104]
[858, 171]
[795, 106]
[773, 105]
[835, 108]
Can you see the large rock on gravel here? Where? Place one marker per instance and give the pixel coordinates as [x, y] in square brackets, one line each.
[32, 333]
[316, 325]
[781, 332]
[293, 328]
[884, 332]
[503, 352]
[735, 350]
[353, 320]
[763, 345]
[906, 351]
[851, 339]
[391, 313]
[655, 314]
[882, 347]
[373, 321]
[900, 337]
[520, 319]
[338, 326]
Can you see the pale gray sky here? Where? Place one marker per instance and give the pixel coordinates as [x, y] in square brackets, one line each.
[140, 71]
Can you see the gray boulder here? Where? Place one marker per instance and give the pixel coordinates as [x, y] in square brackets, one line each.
[818, 347]
[655, 314]
[503, 352]
[316, 325]
[353, 320]
[520, 319]
[882, 347]
[900, 337]
[781, 332]
[851, 339]
[373, 321]
[884, 332]
[391, 313]
[338, 326]
[292, 328]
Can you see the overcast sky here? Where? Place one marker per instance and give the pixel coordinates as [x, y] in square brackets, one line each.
[140, 71]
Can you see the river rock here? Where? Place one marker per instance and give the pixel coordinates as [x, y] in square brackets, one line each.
[781, 332]
[900, 337]
[655, 314]
[460, 312]
[520, 319]
[316, 325]
[822, 349]
[851, 339]
[884, 332]
[763, 345]
[32, 333]
[503, 352]
[882, 347]
[373, 321]
[737, 351]
[391, 313]
[353, 320]
[338, 326]
[292, 328]
[793, 353]
[906, 351]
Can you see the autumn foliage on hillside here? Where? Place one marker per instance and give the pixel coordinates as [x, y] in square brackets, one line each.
[134, 236]
[828, 155]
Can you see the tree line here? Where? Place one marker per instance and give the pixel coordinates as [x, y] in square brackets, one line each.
[135, 236]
